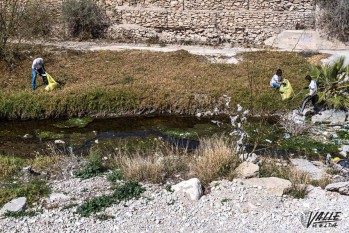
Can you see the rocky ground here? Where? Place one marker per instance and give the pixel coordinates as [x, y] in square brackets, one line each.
[242, 205]
[229, 206]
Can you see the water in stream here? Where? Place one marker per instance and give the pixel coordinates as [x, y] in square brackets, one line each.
[28, 138]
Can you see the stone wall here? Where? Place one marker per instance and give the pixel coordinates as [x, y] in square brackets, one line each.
[206, 21]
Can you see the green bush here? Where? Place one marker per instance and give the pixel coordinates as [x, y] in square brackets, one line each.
[127, 191]
[84, 18]
[94, 167]
[20, 214]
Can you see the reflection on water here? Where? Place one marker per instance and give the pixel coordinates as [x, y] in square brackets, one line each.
[28, 138]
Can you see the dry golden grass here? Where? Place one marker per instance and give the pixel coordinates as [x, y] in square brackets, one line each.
[107, 81]
[154, 169]
[216, 158]
[156, 164]
[316, 59]
[141, 169]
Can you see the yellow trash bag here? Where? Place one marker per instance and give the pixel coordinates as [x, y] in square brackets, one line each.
[52, 84]
[286, 90]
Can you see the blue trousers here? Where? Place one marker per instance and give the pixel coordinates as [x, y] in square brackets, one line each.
[42, 74]
[276, 85]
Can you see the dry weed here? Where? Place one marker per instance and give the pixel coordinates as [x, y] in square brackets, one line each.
[294, 128]
[216, 158]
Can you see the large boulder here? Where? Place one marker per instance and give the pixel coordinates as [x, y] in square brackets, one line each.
[305, 166]
[247, 170]
[330, 116]
[273, 185]
[191, 188]
[341, 187]
[14, 205]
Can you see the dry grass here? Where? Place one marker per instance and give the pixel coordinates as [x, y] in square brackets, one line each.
[142, 169]
[323, 182]
[216, 158]
[155, 165]
[114, 82]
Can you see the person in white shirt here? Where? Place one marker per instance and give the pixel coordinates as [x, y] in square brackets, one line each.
[38, 67]
[312, 94]
[276, 80]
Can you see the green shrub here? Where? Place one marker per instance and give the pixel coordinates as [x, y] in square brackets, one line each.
[94, 167]
[297, 191]
[85, 18]
[127, 191]
[115, 176]
[95, 205]
[20, 214]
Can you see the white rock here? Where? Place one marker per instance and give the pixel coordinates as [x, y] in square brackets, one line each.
[14, 205]
[341, 187]
[304, 165]
[247, 170]
[273, 185]
[191, 187]
[59, 141]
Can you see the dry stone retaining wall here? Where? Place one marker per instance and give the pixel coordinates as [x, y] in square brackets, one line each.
[206, 21]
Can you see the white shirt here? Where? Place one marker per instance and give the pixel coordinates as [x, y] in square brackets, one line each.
[37, 63]
[312, 87]
[275, 79]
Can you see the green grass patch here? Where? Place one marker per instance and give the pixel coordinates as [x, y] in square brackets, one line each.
[181, 133]
[308, 146]
[21, 214]
[343, 134]
[33, 191]
[127, 145]
[9, 166]
[49, 135]
[297, 191]
[95, 167]
[115, 176]
[271, 169]
[126, 191]
[75, 123]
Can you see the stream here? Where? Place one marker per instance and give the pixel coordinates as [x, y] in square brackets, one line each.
[28, 139]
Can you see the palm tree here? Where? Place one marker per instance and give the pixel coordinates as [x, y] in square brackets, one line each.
[333, 83]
